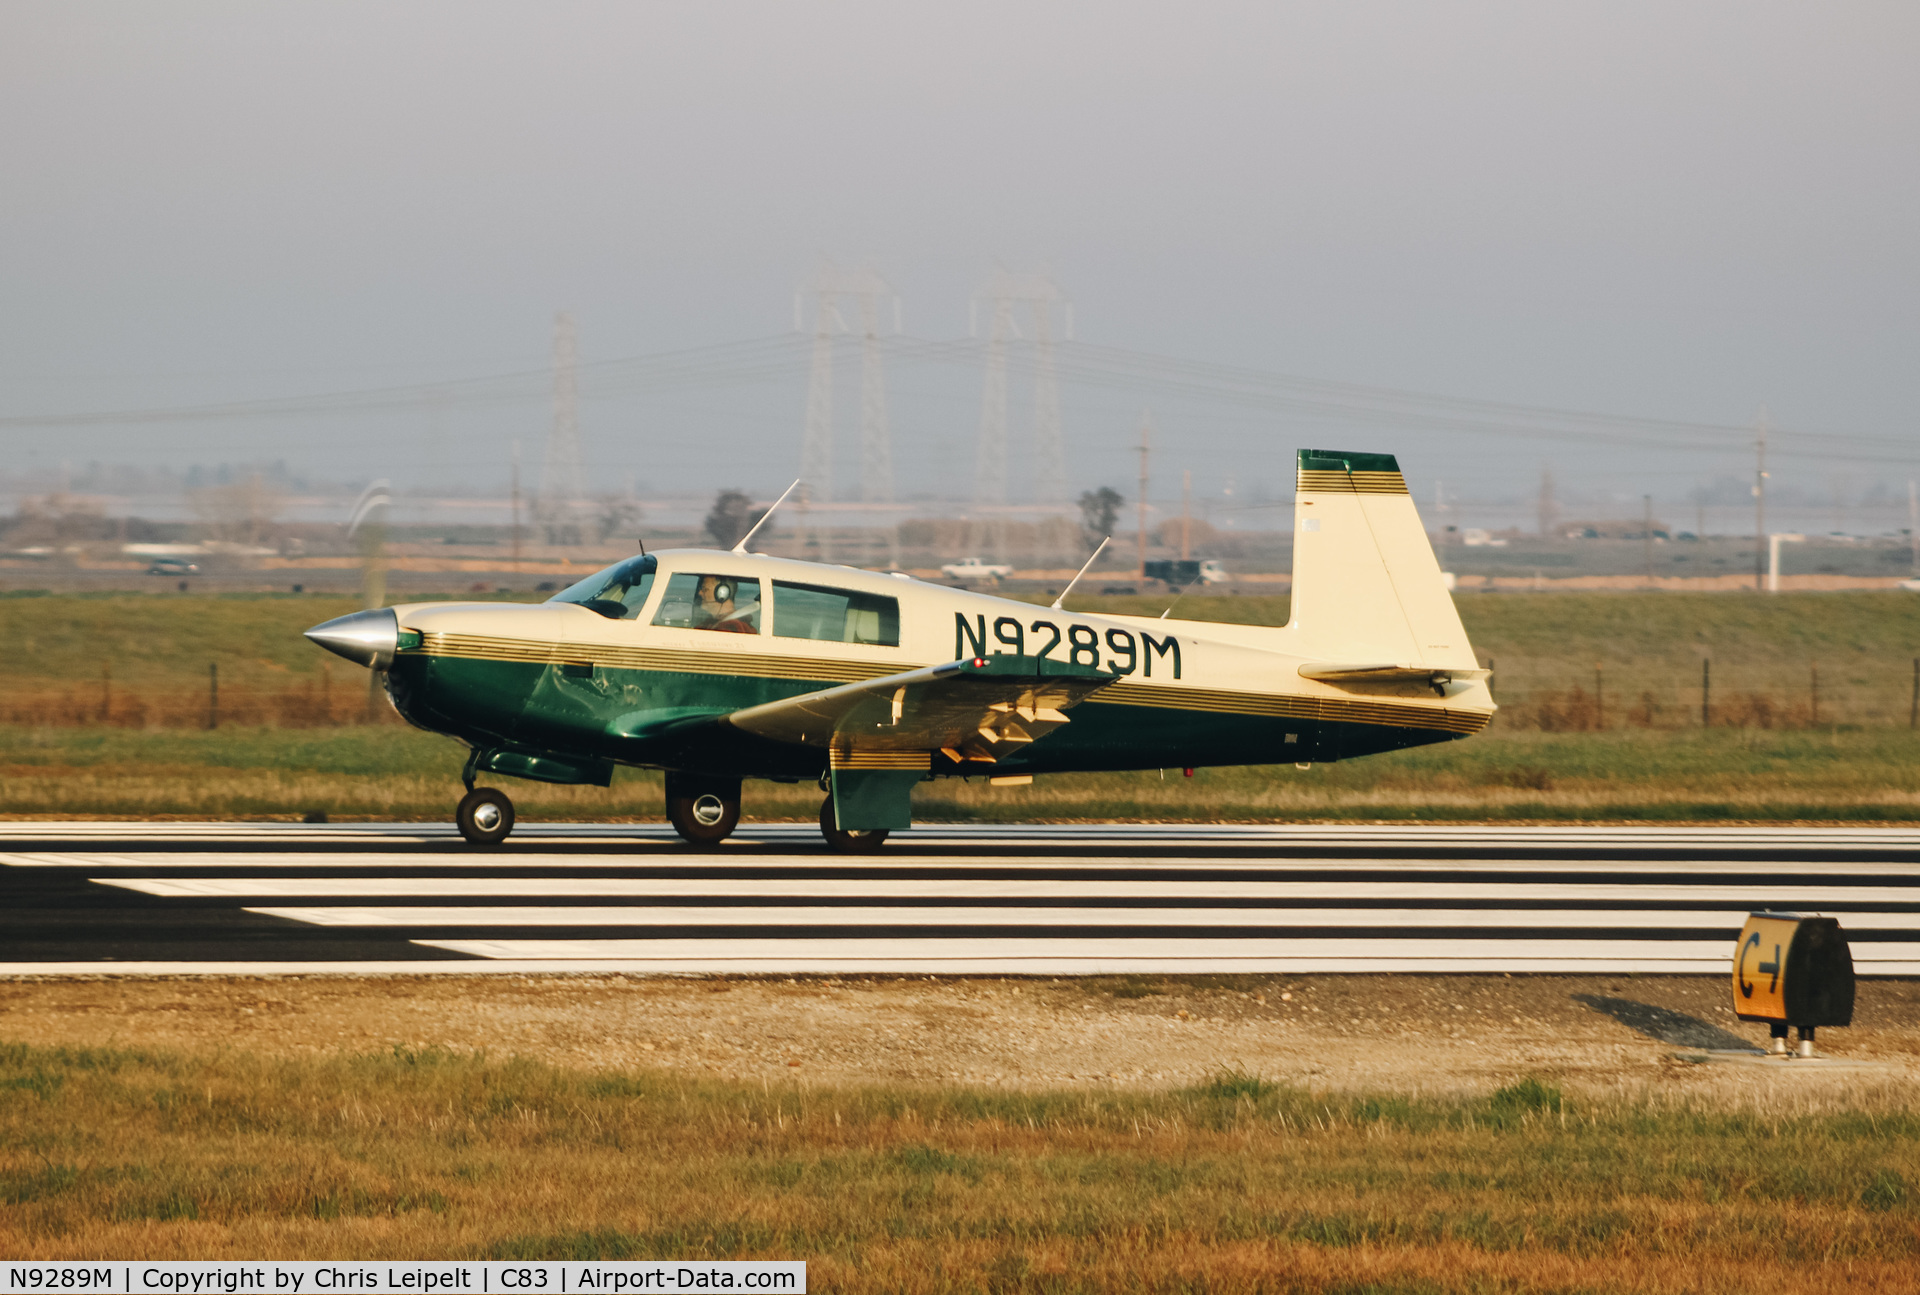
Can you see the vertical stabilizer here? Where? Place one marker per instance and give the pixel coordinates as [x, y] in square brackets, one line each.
[1366, 586]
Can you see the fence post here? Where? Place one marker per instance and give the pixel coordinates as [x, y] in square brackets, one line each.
[1706, 692]
[213, 694]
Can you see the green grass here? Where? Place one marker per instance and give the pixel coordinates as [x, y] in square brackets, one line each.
[399, 772]
[424, 1154]
[292, 739]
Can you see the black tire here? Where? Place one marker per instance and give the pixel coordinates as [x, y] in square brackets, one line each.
[704, 820]
[485, 816]
[848, 842]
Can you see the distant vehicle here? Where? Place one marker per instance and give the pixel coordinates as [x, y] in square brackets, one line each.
[1187, 571]
[173, 567]
[975, 569]
[1118, 589]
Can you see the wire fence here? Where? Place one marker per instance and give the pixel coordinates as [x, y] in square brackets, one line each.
[210, 704]
[1748, 697]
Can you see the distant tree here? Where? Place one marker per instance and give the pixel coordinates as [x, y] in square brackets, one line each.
[1099, 509]
[613, 514]
[731, 517]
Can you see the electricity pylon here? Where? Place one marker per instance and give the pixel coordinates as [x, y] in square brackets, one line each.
[1006, 293]
[561, 486]
[865, 289]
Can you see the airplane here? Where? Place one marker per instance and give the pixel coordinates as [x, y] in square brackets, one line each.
[717, 666]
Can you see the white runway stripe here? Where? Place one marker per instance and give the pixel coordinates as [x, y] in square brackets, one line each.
[980, 888]
[1493, 888]
[1084, 957]
[790, 917]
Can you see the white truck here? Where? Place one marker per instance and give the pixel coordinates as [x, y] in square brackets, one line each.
[972, 569]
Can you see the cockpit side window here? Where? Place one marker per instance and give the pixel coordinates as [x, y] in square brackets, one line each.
[617, 593]
[727, 604]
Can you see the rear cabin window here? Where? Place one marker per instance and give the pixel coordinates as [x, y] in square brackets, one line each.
[835, 615]
[710, 602]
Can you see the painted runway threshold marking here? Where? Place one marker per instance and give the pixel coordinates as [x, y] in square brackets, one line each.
[406, 888]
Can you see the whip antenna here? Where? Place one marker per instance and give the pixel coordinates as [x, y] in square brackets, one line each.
[741, 547]
[1055, 605]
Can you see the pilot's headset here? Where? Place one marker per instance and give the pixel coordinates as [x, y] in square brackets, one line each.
[723, 591]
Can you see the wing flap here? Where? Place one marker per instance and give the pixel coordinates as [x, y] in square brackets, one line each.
[978, 708]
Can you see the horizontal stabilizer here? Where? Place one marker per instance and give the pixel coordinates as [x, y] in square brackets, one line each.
[1326, 673]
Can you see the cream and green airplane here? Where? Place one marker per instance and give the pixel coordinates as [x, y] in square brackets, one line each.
[718, 666]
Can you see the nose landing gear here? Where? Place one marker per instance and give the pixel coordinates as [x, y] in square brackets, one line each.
[485, 816]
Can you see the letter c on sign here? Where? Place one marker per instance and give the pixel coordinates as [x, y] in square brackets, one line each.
[1740, 968]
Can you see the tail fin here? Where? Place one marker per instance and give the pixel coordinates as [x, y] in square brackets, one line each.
[1366, 586]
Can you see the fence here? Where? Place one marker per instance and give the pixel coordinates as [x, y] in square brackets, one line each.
[209, 703]
[1750, 697]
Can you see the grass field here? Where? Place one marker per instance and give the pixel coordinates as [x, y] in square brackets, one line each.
[1234, 1185]
[105, 702]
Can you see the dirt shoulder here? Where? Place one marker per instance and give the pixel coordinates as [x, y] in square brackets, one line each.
[1410, 1034]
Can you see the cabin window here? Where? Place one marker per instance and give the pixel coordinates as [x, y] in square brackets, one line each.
[617, 593]
[710, 602]
[835, 615]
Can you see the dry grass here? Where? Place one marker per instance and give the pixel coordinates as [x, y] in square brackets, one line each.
[1234, 1185]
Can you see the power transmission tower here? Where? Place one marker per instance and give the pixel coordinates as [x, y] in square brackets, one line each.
[560, 483]
[866, 289]
[1006, 293]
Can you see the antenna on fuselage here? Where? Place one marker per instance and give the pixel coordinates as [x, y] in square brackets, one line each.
[741, 547]
[1055, 605]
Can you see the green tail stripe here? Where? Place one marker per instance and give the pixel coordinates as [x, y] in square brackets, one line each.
[1346, 460]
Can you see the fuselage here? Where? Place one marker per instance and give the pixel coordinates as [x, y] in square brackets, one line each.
[646, 676]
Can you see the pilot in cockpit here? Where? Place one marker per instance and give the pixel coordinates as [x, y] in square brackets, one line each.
[714, 608]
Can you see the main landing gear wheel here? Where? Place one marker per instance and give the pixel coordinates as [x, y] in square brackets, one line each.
[849, 842]
[704, 820]
[485, 816]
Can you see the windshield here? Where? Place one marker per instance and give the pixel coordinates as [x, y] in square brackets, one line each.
[618, 592]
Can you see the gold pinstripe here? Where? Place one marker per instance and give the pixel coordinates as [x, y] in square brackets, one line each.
[840, 758]
[1390, 714]
[1327, 481]
[1332, 709]
[487, 648]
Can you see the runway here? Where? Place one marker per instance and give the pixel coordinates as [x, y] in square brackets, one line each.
[208, 898]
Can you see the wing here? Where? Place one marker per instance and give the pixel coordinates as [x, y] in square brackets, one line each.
[979, 709]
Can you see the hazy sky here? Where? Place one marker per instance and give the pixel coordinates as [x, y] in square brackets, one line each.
[1666, 209]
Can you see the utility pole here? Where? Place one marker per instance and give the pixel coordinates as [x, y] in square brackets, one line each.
[1186, 515]
[1913, 525]
[515, 491]
[1760, 500]
[1146, 442]
[1646, 538]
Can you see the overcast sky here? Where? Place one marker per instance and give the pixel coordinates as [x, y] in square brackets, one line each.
[1666, 209]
